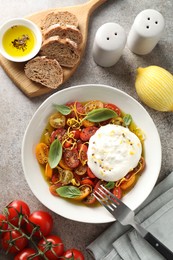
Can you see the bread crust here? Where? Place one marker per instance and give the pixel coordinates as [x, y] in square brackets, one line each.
[64, 51]
[45, 71]
[62, 18]
[63, 31]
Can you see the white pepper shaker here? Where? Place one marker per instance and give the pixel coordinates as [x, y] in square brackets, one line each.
[109, 42]
[145, 32]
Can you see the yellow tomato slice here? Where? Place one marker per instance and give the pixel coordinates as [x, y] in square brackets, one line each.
[48, 171]
[125, 185]
[41, 152]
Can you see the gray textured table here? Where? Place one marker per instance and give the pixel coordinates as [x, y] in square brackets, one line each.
[16, 109]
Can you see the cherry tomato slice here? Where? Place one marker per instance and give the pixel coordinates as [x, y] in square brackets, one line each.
[90, 199]
[55, 248]
[53, 188]
[57, 120]
[94, 104]
[57, 134]
[70, 158]
[114, 108]
[117, 192]
[90, 173]
[87, 181]
[42, 152]
[87, 132]
[83, 153]
[26, 254]
[77, 106]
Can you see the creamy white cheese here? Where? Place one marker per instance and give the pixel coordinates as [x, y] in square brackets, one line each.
[113, 151]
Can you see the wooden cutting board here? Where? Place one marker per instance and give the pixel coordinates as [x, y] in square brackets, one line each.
[16, 70]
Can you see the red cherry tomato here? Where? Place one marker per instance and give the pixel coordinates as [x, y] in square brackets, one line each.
[16, 209]
[70, 157]
[53, 187]
[76, 133]
[87, 181]
[114, 108]
[90, 199]
[87, 132]
[90, 173]
[3, 224]
[82, 148]
[73, 254]
[58, 133]
[26, 253]
[117, 192]
[42, 219]
[52, 243]
[78, 106]
[19, 242]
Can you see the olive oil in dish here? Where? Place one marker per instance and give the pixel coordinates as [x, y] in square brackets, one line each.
[18, 41]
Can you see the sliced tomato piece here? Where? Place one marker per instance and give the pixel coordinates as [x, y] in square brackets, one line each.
[87, 181]
[90, 173]
[114, 108]
[90, 199]
[57, 134]
[83, 148]
[129, 183]
[42, 152]
[57, 120]
[70, 158]
[81, 169]
[77, 106]
[94, 104]
[117, 192]
[53, 187]
[87, 132]
[76, 133]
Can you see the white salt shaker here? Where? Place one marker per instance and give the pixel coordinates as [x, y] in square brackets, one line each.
[145, 32]
[109, 42]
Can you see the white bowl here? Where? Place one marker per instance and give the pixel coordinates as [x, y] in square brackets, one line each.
[152, 149]
[31, 26]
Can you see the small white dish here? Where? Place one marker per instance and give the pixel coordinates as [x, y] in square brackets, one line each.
[20, 39]
[152, 152]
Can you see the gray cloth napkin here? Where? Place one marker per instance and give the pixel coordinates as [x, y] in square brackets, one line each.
[123, 242]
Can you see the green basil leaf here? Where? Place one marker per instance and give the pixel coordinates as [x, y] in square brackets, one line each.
[100, 114]
[64, 110]
[68, 191]
[110, 185]
[127, 119]
[55, 153]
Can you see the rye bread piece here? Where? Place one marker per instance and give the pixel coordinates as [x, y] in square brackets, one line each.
[64, 51]
[45, 71]
[64, 31]
[62, 18]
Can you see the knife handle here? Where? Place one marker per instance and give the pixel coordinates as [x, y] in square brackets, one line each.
[161, 248]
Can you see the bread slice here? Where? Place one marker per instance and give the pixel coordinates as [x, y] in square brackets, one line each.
[64, 51]
[45, 71]
[62, 18]
[64, 31]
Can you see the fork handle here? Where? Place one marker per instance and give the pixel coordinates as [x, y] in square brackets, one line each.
[161, 248]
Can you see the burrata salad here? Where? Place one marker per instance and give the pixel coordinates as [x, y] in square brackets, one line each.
[88, 144]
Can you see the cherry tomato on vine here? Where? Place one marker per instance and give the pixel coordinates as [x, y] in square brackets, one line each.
[42, 219]
[74, 254]
[52, 243]
[3, 224]
[87, 132]
[26, 253]
[17, 209]
[13, 241]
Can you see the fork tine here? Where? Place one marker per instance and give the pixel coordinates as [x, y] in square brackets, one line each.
[103, 202]
[111, 195]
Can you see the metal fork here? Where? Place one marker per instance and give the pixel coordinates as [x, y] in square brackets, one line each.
[125, 216]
